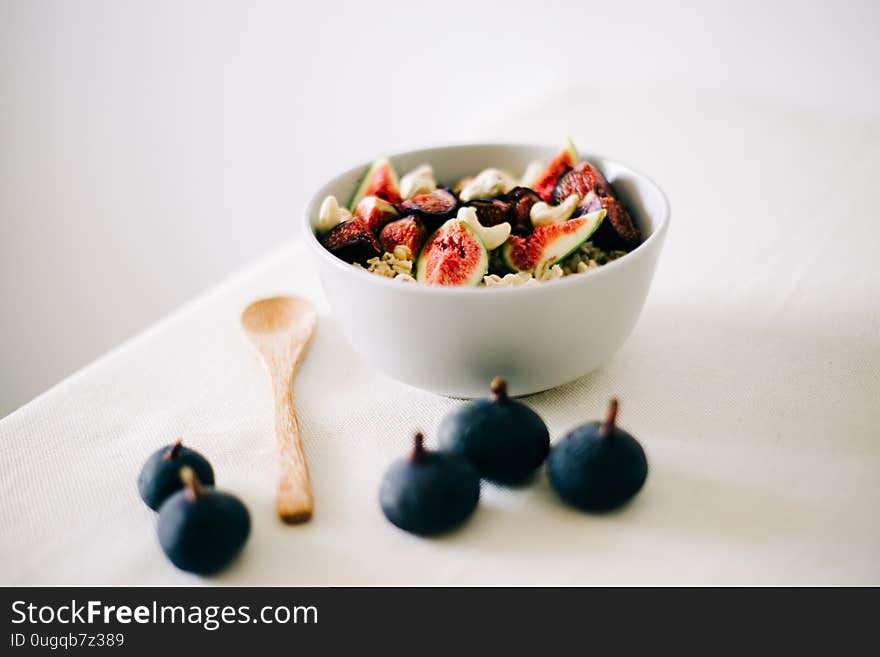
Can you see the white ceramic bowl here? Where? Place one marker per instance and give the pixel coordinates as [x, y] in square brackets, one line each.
[452, 341]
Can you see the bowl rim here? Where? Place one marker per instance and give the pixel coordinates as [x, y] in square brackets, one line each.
[660, 228]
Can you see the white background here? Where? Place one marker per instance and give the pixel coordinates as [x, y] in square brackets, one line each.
[147, 149]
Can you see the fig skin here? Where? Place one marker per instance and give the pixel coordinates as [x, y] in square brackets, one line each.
[521, 200]
[202, 530]
[618, 230]
[380, 179]
[352, 241]
[453, 256]
[429, 493]
[598, 466]
[491, 213]
[160, 476]
[504, 439]
[409, 232]
[433, 208]
[619, 219]
[376, 213]
[581, 180]
[441, 203]
[548, 244]
[563, 161]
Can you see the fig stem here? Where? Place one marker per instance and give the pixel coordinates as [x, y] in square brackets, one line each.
[191, 482]
[418, 449]
[610, 418]
[498, 388]
[174, 450]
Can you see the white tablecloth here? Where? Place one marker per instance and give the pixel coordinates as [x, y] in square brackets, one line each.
[752, 379]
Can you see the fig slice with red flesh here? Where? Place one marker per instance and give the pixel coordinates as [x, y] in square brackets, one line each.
[521, 200]
[581, 180]
[563, 161]
[491, 213]
[375, 213]
[549, 244]
[453, 256]
[409, 232]
[379, 180]
[436, 205]
[352, 241]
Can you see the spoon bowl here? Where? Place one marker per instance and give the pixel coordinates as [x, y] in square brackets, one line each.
[278, 314]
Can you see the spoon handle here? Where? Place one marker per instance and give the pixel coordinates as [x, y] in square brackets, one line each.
[294, 496]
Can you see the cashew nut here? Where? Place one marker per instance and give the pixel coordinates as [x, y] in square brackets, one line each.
[543, 214]
[486, 184]
[330, 214]
[418, 181]
[492, 237]
[533, 170]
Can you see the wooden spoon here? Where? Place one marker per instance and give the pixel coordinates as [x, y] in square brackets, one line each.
[280, 328]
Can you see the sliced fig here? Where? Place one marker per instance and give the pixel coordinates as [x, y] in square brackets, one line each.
[379, 180]
[453, 256]
[581, 180]
[409, 232]
[589, 203]
[375, 213]
[438, 204]
[549, 244]
[618, 230]
[491, 213]
[561, 162]
[352, 241]
[521, 200]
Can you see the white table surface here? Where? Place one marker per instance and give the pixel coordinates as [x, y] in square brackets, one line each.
[752, 378]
